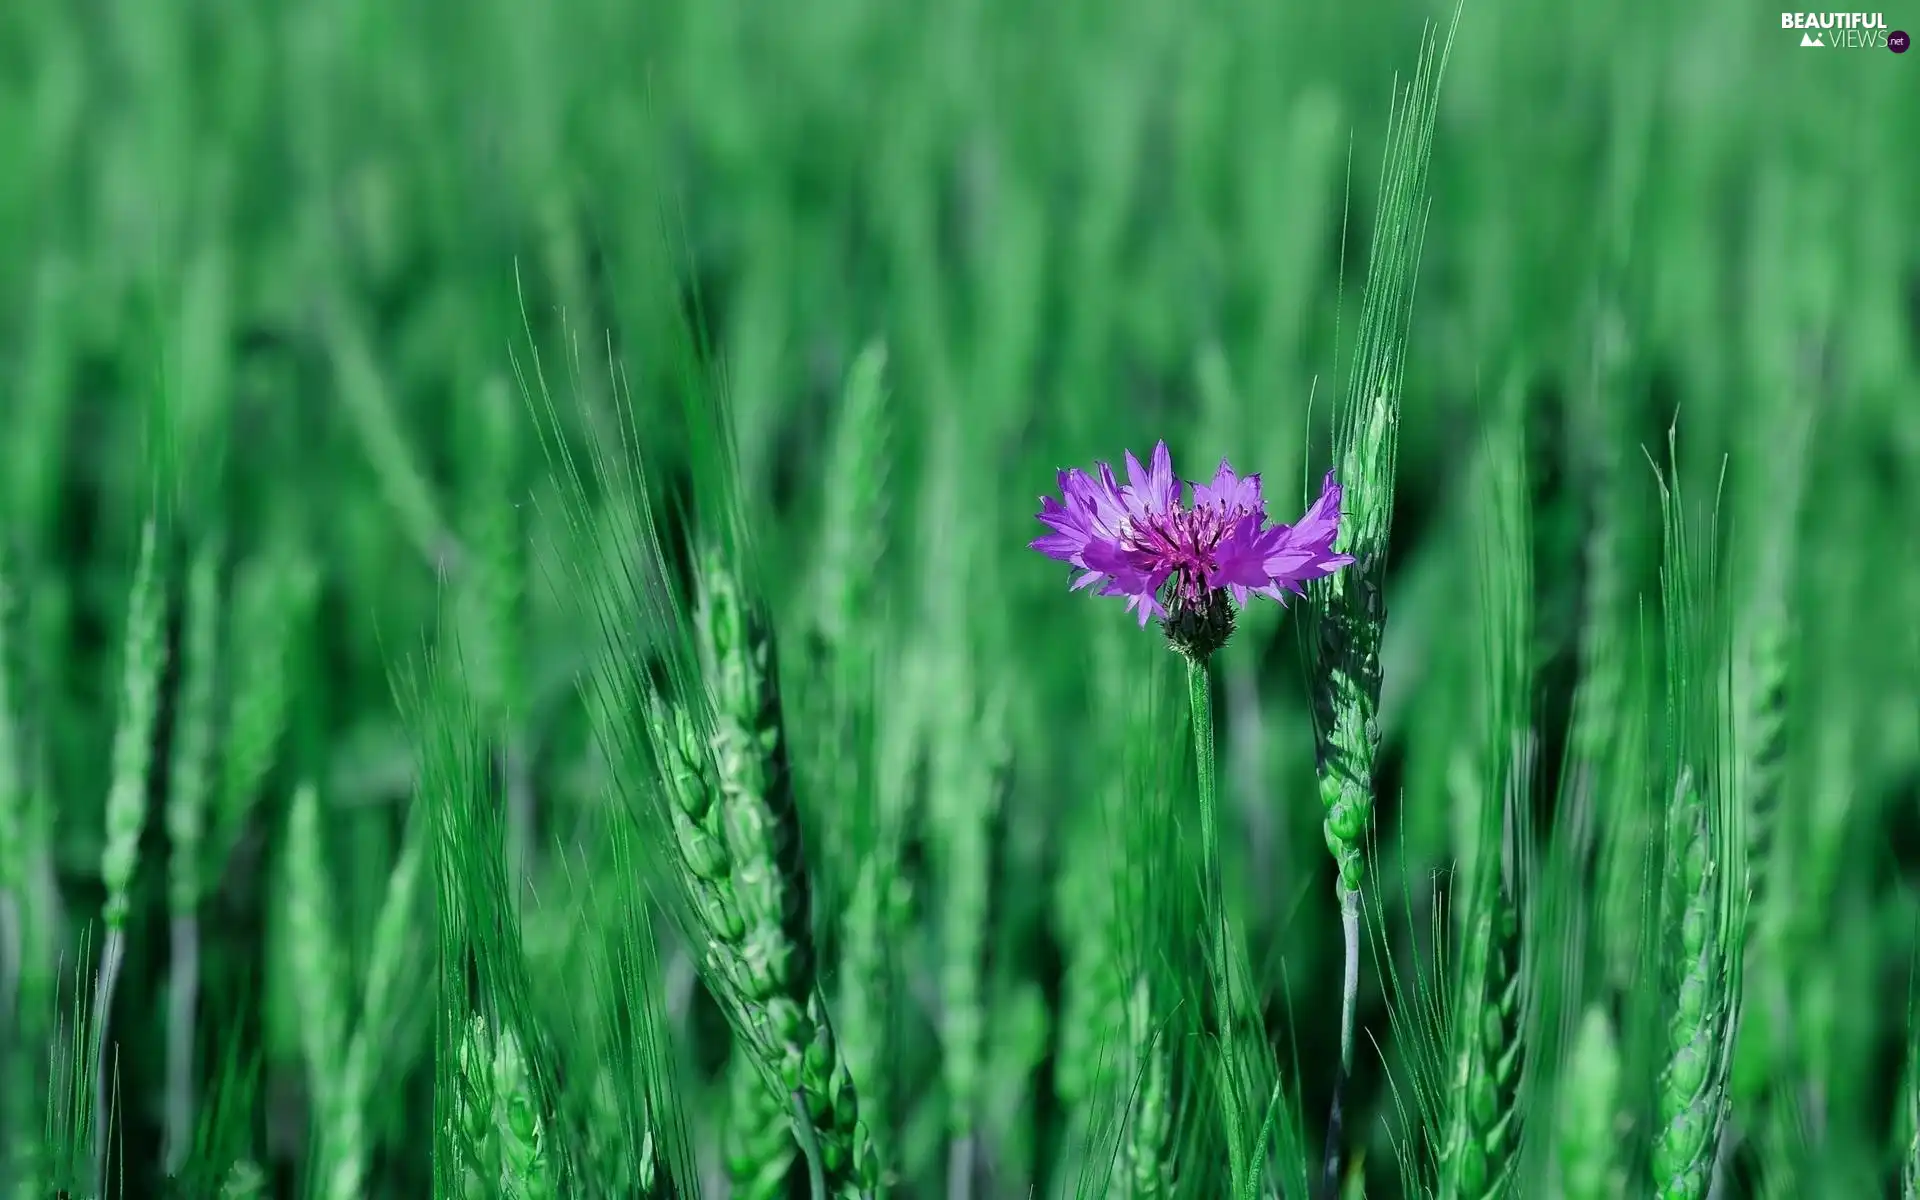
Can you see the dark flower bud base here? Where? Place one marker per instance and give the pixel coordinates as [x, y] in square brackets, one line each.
[1197, 630]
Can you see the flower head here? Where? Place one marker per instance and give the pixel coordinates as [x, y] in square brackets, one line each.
[1180, 559]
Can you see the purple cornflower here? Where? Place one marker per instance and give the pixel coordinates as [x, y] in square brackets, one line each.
[1177, 560]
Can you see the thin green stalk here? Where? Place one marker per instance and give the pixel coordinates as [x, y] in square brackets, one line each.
[1349, 1002]
[1200, 701]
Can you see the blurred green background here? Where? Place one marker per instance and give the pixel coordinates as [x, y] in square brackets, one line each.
[267, 269]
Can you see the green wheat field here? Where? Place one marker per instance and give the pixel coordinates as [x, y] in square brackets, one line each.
[522, 671]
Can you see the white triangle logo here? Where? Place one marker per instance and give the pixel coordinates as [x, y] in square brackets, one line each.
[1812, 39]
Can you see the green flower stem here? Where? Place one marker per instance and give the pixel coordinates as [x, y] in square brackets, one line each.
[1200, 700]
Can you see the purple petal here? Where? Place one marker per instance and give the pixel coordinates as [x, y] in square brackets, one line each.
[1071, 531]
[1061, 547]
[1153, 490]
[1092, 513]
[1166, 489]
[1322, 521]
[1230, 491]
[1305, 551]
[1141, 589]
[1240, 559]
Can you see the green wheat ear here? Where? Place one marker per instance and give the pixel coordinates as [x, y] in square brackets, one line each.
[752, 828]
[1348, 613]
[274, 598]
[246, 1181]
[1136, 1064]
[346, 1143]
[1092, 1012]
[316, 964]
[685, 697]
[1347, 616]
[856, 502]
[1477, 1157]
[496, 1128]
[501, 1135]
[1478, 1153]
[186, 818]
[1587, 1133]
[967, 767]
[525, 1171]
[639, 1133]
[1153, 1113]
[745, 857]
[483, 973]
[860, 750]
[144, 657]
[759, 1145]
[1704, 895]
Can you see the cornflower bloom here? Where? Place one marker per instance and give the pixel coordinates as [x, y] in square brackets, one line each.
[1183, 560]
